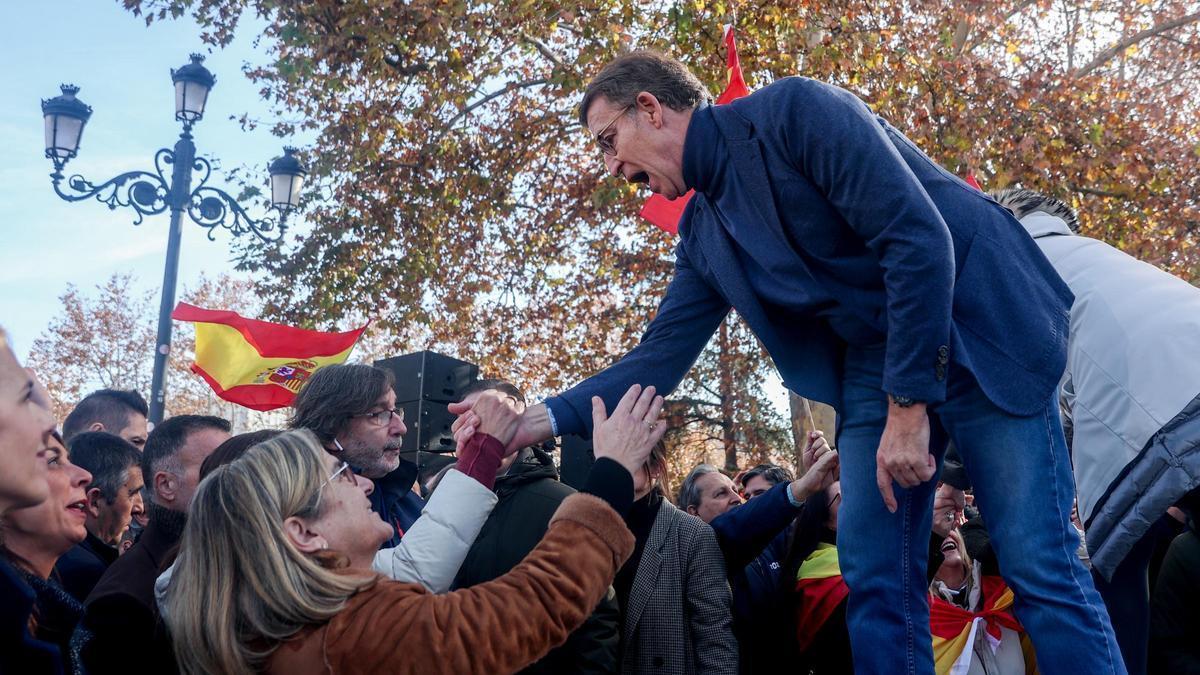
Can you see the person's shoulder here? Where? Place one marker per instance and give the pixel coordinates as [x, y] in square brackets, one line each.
[546, 488]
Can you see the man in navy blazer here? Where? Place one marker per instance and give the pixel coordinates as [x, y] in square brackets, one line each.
[885, 286]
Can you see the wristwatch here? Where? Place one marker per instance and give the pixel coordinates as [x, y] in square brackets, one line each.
[902, 401]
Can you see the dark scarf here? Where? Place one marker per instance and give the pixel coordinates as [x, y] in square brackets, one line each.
[55, 612]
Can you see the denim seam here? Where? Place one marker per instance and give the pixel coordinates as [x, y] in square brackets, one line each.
[906, 563]
[1057, 501]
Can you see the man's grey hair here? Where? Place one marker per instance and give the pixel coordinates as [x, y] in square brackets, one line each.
[689, 494]
[1023, 202]
[645, 70]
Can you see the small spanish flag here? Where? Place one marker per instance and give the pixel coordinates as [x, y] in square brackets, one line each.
[665, 213]
[257, 364]
[820, 589]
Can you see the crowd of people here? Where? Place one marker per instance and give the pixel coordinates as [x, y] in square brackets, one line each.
[942, 534]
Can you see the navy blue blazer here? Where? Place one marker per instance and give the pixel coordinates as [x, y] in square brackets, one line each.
[859, 214]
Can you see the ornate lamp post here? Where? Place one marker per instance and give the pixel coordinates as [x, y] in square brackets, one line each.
[168, 187]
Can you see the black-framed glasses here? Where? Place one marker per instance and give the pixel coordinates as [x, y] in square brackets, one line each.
[606, 142]
[343, 469]
[382, 417]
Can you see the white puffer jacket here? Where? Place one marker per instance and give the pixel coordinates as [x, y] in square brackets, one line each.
[434, 547]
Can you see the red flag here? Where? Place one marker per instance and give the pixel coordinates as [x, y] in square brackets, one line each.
[257, 364]
[973, 182]
[665, 213]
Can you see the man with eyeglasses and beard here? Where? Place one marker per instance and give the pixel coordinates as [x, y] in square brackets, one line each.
[352, 409]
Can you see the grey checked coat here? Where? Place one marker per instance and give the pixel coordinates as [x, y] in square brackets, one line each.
[678, 620]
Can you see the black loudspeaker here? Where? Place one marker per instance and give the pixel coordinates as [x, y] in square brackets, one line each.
[576, 460]
[428, 425]
[429, 376]
[424, 383]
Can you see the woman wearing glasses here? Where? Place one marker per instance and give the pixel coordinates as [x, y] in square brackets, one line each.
[288, 586]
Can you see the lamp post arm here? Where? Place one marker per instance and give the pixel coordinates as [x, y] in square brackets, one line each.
[212, 207]
[146, 193]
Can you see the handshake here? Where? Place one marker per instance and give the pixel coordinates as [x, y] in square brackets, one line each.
[626, 437]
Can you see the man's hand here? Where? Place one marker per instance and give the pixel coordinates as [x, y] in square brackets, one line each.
[533, 425]
[496, 416]
[820, 463]
[903, 454]
[629, 435]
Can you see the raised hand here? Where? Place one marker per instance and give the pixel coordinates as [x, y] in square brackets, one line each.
[496, 415]
[630, 433]
[820, 465]
[533, 426]
[947, 510]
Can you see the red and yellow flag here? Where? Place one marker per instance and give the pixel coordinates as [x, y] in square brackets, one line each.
[257, 364]
[954, 629]
[665, 213]
[821, 589]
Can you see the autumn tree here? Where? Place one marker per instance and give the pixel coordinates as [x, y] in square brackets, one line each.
[459, 202]
[106, 340]
[102, 341]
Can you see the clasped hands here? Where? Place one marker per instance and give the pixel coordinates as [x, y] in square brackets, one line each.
[626, 436]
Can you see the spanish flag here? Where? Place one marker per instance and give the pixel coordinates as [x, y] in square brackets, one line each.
[257, 364]
[955, 629]
[665, 213]
[821, 589]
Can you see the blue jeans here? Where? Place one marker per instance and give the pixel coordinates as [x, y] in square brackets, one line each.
[1021, 474]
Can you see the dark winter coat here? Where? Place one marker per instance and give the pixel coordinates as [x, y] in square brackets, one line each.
[1175, 609]
[529, 494]
[80, 568]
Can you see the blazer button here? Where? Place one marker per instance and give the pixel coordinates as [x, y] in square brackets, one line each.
[940, 372]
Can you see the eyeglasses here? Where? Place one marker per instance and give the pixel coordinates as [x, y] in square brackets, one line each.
[343, 468]
[382, 417]
[606, 142]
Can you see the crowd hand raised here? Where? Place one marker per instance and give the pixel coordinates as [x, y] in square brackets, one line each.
[947, 510]
[817, 447]
[630, 433]
[903, 454]
[488, 412]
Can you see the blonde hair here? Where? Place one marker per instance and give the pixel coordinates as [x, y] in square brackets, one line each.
[240, 586]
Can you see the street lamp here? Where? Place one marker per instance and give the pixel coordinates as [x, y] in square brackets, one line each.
[169, 187]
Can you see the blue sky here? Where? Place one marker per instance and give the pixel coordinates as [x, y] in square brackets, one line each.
[123, 69]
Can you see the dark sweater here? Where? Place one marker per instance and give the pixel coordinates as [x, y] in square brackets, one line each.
[640, 520]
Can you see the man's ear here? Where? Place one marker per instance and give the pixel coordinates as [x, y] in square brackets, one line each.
[692, 510]
[96, 426]
[302, 536]
[648, 103]
[93, 502]
[165, 485]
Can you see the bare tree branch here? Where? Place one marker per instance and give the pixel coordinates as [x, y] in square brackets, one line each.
[507, 89]
[1118, 48]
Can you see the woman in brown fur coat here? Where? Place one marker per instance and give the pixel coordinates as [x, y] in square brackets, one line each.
[274, 572]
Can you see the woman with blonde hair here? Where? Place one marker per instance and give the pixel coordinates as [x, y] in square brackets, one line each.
[274, 572]
[26, 426]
